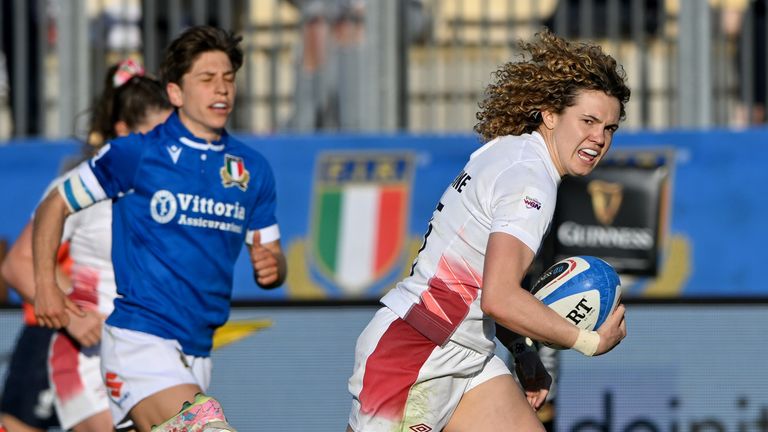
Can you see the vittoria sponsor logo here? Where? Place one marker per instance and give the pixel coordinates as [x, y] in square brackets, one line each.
[195, 211]
[163, 206]
[532, 203]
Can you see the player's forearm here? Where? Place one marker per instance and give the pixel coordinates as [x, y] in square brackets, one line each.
[523, 314]
[48, 226]
[17, 268]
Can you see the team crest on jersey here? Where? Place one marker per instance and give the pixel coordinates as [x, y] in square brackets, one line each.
[359, 215]
[233, 173]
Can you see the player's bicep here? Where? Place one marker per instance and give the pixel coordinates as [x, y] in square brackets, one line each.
[507, 259]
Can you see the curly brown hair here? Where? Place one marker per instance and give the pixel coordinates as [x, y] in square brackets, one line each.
[550, 79]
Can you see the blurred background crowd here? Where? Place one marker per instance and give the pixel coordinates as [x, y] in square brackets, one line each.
[378, 66]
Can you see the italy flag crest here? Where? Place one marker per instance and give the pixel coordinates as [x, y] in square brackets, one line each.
[233, 173]
[360, 208]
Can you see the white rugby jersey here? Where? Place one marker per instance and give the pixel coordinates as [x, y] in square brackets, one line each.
[509, 185]
[89, 233]
[90, 246]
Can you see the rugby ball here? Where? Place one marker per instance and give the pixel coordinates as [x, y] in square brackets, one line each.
[582, 289]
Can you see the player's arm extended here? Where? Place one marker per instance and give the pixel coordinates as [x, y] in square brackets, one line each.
[51, 304]
[17, 268]
[268, 260]
[506, 262]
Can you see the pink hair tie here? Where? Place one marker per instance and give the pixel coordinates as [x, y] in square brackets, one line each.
[126, 70]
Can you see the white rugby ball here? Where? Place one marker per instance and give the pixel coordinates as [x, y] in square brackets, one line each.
[582, 289]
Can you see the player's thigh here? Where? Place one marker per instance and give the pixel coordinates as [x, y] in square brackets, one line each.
[494, 406]
[161, 406]
[151, 373]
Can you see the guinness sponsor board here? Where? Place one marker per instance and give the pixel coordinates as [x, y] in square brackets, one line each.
[617, 213]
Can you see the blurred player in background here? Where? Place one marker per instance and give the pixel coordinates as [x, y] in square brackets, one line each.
[27, 400]
[187, 195]
[131, 102]
[426, 360]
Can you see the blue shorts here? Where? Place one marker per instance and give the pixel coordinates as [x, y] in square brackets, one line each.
[27, 394]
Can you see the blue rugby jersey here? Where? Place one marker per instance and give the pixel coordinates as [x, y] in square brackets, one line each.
[184, 208]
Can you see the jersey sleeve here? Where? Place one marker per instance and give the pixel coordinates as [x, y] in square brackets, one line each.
[523, 204]
[263, 217]
[70, 223]
[110, 172]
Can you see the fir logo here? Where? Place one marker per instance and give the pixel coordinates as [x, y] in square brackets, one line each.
[233, 173]
[359, 214]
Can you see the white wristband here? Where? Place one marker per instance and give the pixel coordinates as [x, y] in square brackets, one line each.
[587, 342]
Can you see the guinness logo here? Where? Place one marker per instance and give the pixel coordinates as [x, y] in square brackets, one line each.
[606, 200]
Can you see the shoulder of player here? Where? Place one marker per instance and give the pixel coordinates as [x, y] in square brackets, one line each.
[128, 143]
[513, 156]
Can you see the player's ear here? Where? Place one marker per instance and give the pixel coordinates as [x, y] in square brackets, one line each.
[121, 128]
[174, 94]
[549, 119]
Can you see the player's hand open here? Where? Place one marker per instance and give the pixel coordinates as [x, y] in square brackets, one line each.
[52, 307]
[86, 329]
[533, 377]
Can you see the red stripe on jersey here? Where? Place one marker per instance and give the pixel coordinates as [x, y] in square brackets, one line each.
[389, 374]
[64, 364]
[85, 284]
[459, 277]
[439, 313]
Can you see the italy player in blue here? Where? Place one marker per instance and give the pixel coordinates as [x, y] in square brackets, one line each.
[187, 195]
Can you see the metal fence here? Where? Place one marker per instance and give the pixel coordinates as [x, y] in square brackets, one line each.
[384, 65]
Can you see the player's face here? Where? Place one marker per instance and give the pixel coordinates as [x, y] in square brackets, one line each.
[206, 95]
[582, 134]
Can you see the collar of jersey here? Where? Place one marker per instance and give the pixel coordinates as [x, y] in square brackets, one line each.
[189, 140]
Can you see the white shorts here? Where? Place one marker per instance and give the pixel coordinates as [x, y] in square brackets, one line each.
[402, 381]
[136, 365]
[75, 376]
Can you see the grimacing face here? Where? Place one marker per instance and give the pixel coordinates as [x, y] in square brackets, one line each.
[206, 95]
[580, 136]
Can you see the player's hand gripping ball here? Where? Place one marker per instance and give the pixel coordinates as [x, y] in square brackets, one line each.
[582, 289]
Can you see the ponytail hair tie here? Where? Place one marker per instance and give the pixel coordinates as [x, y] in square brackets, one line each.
[126, 70]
